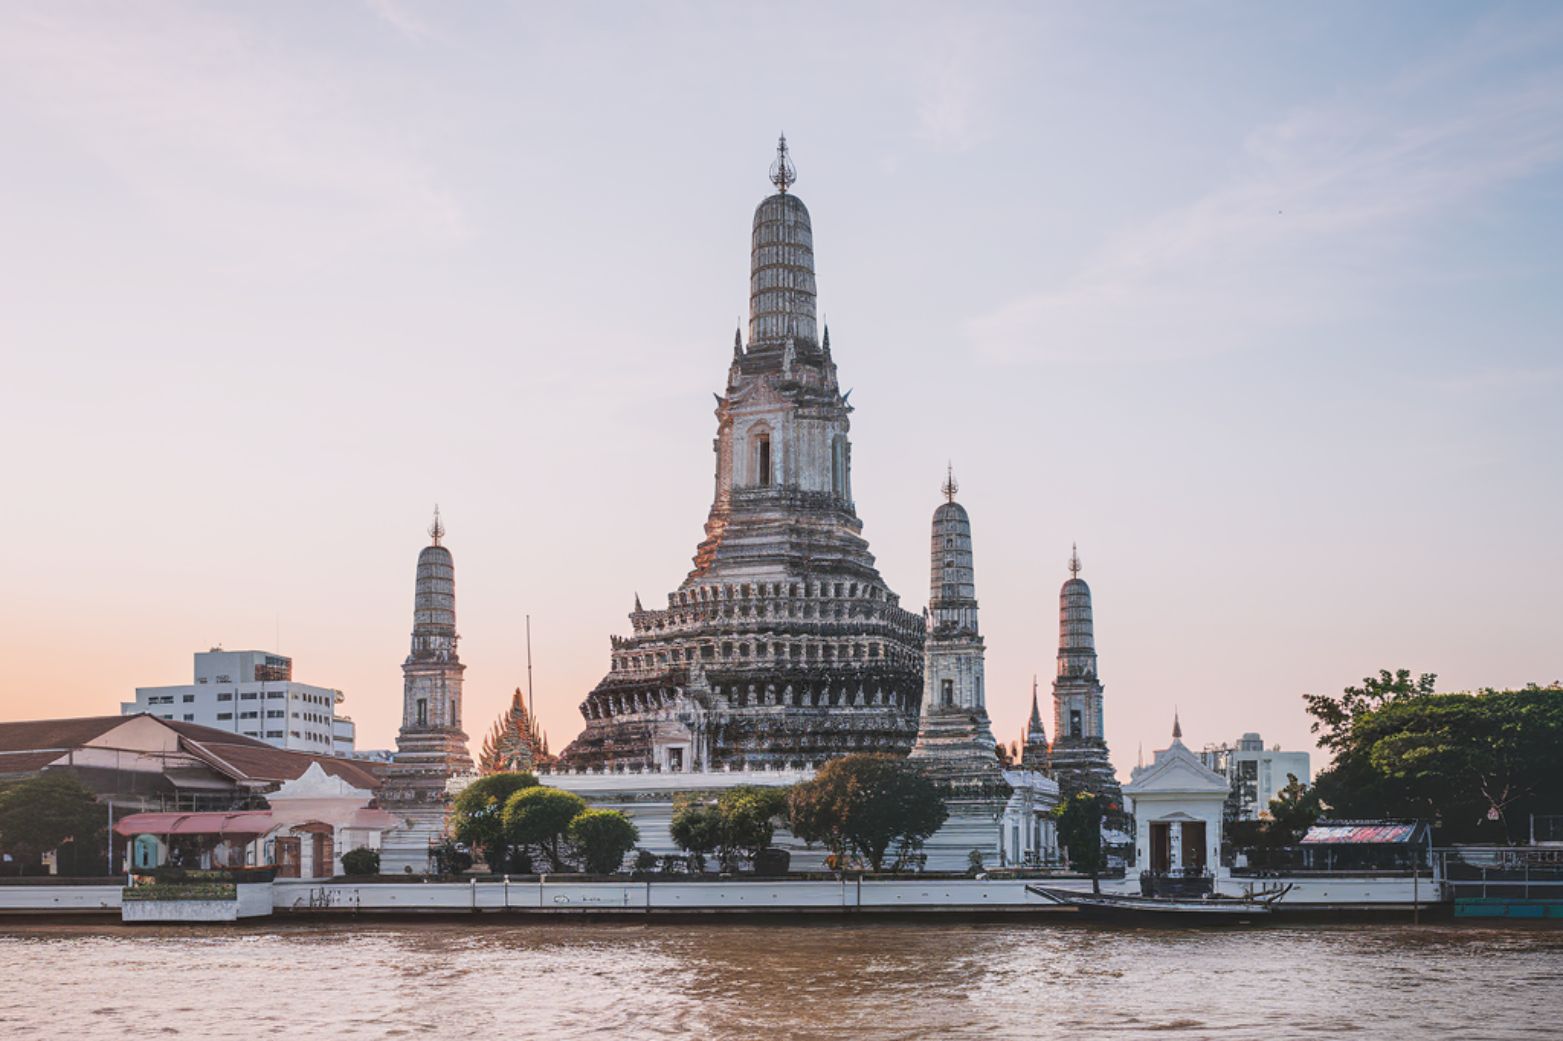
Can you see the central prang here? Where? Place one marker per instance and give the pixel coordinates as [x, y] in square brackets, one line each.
[782, 647]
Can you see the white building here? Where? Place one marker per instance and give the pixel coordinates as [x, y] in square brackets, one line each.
[252, 693]
[1017, 832]
[1177, 804]
[1256, 773]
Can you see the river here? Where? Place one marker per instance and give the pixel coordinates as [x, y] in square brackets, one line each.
[770, 980]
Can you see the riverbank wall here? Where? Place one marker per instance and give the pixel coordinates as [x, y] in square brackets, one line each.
[546, 896]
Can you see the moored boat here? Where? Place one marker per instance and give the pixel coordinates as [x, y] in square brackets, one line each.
[1233, 910]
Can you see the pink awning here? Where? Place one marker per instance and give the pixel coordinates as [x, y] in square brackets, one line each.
[246, 822]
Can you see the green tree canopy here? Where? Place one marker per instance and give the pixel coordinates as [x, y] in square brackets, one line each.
[42, 813]
[1475, 763]
[603, 837]
[748, 815]
[1080, 832]
[697, 828]
[1293, 811]
[477, 817]
[539, 818]
[867, 805]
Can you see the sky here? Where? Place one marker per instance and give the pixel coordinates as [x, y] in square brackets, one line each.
[1261, 305]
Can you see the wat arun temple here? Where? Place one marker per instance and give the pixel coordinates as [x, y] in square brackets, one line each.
[783, 647]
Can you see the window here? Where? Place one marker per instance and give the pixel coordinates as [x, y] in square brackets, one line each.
[225, 697]
[188, 698]
[249, 715]
[248, 695]
[225, 715]
[275, 694]
[946, 692]
[251, 733]
[1074, 722]
[274, 713]
[763, 460]
[273, 733]
[189, 717]
[423, 714]
[294, 733]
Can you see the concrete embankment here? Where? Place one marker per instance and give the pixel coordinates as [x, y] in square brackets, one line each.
[716, 897]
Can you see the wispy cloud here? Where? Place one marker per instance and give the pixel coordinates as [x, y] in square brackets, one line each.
[398, 17]
[1328, 200]
[220, 132]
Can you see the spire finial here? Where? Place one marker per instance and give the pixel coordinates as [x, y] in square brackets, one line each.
[1074, 560]
[437, 529]
[783, 173]
[950, 487]
[1177, 727]
[738, 340]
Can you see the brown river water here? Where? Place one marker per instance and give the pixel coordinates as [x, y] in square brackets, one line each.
[772, 980]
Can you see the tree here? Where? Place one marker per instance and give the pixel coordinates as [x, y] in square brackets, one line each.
[477, 817]
[697, 828]
[540, 818]
[867, 804]
[1080, 831]
[602, 837]
[1477, 764]
[43, 813]
[1292, 812]
[361, 861]
[748, 814]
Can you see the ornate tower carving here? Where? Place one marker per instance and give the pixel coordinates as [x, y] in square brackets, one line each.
[954, 738]
[782, 645]
[1079, 753]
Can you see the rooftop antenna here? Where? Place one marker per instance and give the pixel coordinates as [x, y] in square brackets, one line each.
[437, 529]
[950, 487]
[1074, 560]
[783, 173]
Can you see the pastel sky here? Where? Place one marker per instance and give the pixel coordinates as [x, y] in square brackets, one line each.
[1261, 304]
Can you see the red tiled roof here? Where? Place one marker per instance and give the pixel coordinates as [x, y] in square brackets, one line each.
[29, 735]
[27, 746]
[27, 762]
[262, 762]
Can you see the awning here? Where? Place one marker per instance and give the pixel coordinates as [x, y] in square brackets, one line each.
[246, 822]
[1359, 833]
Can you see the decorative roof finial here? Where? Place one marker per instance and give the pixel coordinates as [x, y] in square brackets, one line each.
[437, 529]
[1177, 727]
[1074, 560]
[783, 173]
[950, 487]
[738, 342]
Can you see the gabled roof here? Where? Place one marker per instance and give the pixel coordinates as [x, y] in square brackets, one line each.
[1176, 771]
[33, 735]
[27, 746]
[262, 762]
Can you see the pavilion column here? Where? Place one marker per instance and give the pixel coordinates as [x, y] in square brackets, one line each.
[1175, 846]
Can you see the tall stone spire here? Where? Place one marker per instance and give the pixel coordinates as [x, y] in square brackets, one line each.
[1035, 754]
[955, 738]
[1079, 753]
[783, 645]
[431, 736]
[431, 747]
[781, 264]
